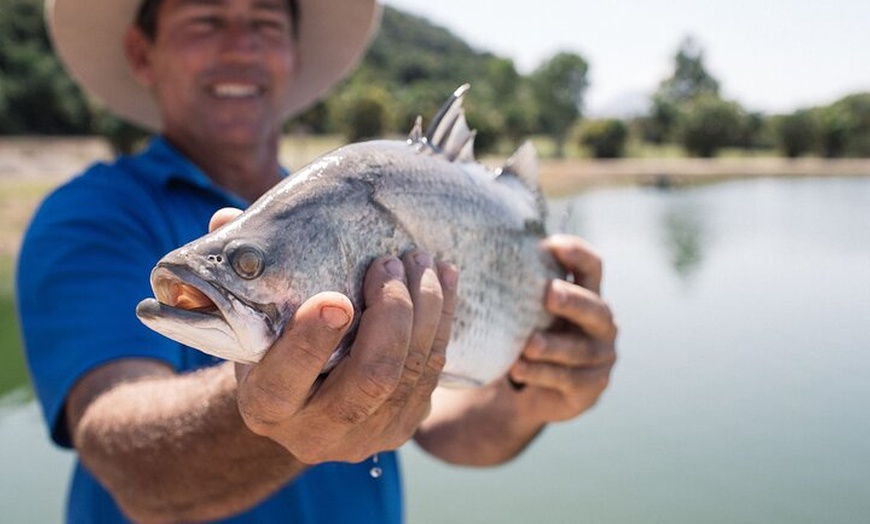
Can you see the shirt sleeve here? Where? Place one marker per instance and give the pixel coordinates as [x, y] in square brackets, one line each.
[84, 265]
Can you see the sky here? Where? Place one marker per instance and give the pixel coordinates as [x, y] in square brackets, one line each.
[772, 56]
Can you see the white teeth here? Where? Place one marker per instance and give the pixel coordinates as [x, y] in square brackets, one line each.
[235, 90]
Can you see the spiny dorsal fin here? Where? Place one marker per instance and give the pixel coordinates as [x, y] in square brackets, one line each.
[523, 165]
[449, 132]
[416, 134]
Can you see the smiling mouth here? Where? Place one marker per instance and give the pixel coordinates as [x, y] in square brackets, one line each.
[236, 90]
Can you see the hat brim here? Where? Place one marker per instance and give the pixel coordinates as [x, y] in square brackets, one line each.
[88, 36]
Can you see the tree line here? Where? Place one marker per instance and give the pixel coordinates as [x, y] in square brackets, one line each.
[411, 68]
[688, 109]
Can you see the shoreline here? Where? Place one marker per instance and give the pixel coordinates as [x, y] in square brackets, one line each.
[45, 157]
[561, 177]
[32, 166]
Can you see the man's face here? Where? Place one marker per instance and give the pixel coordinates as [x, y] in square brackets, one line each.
[221, 69]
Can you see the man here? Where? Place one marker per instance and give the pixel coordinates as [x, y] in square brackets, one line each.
[167, 434]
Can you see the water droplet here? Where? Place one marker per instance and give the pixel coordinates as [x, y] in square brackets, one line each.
[375, 470]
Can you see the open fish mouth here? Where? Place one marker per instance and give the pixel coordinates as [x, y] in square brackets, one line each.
[180, 290]
[204, 316]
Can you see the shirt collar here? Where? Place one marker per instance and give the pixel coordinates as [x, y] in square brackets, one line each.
[175, 167]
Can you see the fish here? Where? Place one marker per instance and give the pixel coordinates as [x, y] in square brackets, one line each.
[231, 292]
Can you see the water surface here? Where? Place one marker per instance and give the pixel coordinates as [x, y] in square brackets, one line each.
[741, 393]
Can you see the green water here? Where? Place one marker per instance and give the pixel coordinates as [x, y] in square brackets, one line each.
[740, 395]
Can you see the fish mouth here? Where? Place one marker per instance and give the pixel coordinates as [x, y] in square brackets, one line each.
[205, 316]
[178, 288]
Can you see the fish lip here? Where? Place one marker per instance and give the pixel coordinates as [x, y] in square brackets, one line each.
[225, 301]
[172, 273]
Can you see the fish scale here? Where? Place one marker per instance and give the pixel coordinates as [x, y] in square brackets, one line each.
[320, 229]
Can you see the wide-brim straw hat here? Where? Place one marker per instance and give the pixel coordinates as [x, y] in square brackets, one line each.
[88, 36]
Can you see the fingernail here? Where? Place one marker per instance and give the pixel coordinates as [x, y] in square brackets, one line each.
[518, 370]
[536, 344]
[335, 317]
[395, 268]
[560, 296]
[423, 259]
[448, 276]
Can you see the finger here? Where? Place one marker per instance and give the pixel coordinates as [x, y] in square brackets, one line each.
[593, 380]
[582, 307]
[448, 278]
[281, 382]
[415, 405]
[567, 348]
[222, 216]
[448, 275]
[426, 295]
[362, 381]
[579, 258]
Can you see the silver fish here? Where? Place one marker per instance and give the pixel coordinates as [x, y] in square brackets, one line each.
[230, 293]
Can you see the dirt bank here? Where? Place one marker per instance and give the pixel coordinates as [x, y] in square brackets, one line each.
[31, 166]
[566, 176]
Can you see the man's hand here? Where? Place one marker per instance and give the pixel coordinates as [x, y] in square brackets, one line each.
[562, 373]
[377, 396]
[567, 367]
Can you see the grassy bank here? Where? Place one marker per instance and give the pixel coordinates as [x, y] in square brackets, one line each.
[19, 198]
[13, 370]
[17, 201]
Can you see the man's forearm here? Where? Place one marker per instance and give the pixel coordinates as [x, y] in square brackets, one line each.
[477, 427]
[173, 447]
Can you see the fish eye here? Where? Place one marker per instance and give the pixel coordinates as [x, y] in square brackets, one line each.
[248, 262]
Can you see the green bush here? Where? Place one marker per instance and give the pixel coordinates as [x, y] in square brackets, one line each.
[845, 127]
[797, 133]
[604, 138]
[362, 112]
[709, 123]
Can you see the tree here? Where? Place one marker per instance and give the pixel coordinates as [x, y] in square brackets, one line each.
[797, 133]
[362, 112]
[658, 126]
[689, 80]
[37, 96]
[605, 138]
[845, 127]
[709, 124]
[503, 78]
[558, 87]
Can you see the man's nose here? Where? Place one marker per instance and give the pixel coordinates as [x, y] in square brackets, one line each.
[239, 38]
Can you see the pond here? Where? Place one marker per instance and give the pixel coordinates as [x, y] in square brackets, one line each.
[741, 393]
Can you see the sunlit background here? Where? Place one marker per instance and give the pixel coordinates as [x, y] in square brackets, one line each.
[741, 392]
[774, 56]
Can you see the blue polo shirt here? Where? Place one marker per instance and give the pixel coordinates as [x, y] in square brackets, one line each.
[85, 264]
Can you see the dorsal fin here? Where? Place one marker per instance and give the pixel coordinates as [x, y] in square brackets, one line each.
[449, 133]
[416, 134]
[523, 165]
